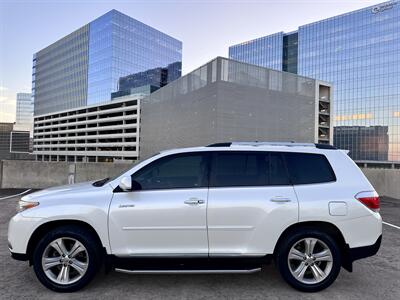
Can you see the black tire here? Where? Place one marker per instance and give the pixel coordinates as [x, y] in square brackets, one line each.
[282, 253]
[80, 234]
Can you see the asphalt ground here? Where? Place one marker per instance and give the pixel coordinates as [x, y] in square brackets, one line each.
[376, 277]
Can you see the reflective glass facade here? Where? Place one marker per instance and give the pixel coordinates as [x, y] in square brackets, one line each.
[148, 81]
[59, 73]
[359, 53]
[84, 67]
[120, 46]
[290, 52]
[24, 112]
[265, 51]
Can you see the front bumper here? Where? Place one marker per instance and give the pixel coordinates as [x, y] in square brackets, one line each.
[20, 230]
[19, 256]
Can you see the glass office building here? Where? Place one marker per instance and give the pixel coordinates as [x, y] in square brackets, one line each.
[85, 67]
[59, 73]
[359, 53]
[147, 81]
[265, 51]
[24, 112]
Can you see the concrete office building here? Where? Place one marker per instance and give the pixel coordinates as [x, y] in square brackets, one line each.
[225, 100]
[359, 53]
[94, 133]
[14, 144]
[24, 112]
[84, 67]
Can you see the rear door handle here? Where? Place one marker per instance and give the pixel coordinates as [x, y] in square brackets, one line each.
[194, 201]
[280, 199]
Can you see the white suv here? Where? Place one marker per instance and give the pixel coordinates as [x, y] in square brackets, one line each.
[225, 208]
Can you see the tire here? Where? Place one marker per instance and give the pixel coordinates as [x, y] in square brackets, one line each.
[77, 268]
[302, 273]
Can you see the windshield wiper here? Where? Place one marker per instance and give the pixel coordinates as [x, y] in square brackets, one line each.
[101, 182]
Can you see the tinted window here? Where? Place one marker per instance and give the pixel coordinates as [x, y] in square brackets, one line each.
[276, 170]
[176, 171]
[309, 168]
[237, 169]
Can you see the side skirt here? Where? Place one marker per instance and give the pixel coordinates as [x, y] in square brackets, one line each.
[201, 265]
[244, 271]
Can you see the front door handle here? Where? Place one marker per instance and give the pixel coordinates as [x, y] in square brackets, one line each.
[194, 201]
[280, 199]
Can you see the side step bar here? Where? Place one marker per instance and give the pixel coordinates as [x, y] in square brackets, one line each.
[188, 271]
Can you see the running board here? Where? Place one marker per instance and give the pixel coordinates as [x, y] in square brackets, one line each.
[250, 271]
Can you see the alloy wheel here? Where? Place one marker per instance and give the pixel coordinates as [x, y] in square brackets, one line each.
[310, 260]
[65, 260]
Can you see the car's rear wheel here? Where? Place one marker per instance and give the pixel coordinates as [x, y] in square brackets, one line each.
[66, 258]
[309, 260]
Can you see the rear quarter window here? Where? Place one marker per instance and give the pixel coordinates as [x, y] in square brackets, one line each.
[308, 168]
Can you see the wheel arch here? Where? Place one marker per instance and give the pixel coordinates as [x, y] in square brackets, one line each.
[46, 227]
[323, 226]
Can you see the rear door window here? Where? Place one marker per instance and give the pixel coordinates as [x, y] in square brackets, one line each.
[237, 169]
[276, 170]
[307, 168]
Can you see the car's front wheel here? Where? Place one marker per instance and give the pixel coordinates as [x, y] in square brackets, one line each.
[66, 258]
[309, 260]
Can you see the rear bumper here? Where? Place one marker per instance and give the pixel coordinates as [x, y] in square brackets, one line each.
[366, 251]
[359, 253]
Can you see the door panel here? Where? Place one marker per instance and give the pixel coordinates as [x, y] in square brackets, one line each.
[159, 222]
[244, 221]
[166, 215]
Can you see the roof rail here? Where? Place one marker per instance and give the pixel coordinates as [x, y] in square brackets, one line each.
[325, 146]
[220, 145]
[286, 144]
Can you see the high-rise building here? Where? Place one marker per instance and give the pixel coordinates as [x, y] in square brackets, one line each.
[359, 53]
[84, 67]
[24, 112]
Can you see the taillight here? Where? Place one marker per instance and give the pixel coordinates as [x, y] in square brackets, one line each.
[369, 199]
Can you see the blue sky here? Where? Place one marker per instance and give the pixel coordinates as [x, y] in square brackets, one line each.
[206, 28]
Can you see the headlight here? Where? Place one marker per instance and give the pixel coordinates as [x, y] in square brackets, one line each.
[24, 205]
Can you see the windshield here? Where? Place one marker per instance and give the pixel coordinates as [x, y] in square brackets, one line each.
[103, 181]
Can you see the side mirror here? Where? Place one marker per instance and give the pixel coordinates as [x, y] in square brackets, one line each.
[126, 183]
